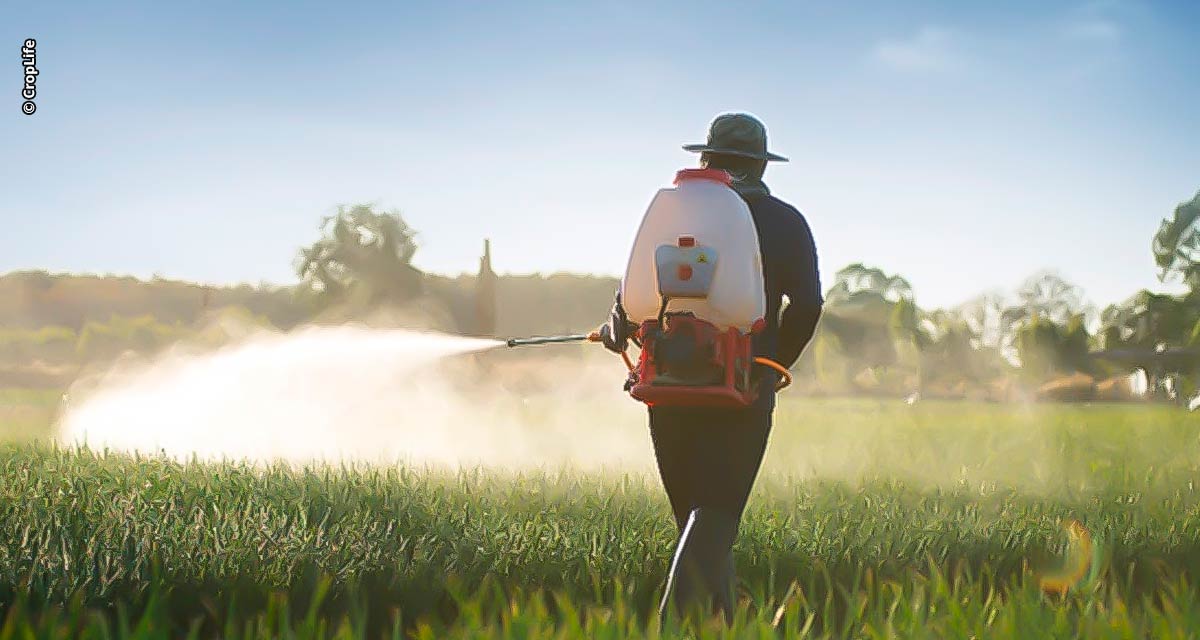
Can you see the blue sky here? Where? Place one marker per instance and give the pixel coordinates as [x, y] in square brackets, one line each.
[963, 145]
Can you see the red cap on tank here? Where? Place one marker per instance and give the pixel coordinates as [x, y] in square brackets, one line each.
[716, 175]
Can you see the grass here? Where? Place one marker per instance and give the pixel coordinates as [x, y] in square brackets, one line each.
[871, 519]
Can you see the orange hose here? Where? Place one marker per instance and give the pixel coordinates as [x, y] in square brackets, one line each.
[785, 376]
[595, 337]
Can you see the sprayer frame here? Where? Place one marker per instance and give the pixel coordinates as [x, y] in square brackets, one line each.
[636, 371]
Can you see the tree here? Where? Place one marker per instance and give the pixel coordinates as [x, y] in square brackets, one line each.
[1146, 321]
[954, 351]
[363, 257]
[857, 281]
[983, 316]
[1142, 333]
[862, 319]
[1048, 349]
[1176, 246]
[1037, 342]
[1045, 295]
[1074, 347]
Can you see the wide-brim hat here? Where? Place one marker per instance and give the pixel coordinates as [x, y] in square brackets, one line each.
[737, 134]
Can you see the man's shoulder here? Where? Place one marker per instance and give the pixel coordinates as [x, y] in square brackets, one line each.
[772, 203]
[778, 210]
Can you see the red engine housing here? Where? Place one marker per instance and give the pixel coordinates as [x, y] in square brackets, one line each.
[725, 357]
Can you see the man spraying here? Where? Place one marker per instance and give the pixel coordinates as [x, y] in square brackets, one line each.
[710, 403]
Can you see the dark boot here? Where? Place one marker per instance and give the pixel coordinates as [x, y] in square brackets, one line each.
[702, 571]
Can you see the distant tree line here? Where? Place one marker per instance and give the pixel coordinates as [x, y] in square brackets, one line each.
[873, 334]
[872, 337]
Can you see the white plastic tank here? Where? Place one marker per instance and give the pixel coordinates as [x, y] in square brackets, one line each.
[703, 210]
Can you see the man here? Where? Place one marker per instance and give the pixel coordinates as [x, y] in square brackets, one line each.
[709, 458]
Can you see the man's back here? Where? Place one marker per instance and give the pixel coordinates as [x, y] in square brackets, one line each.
[789, 260]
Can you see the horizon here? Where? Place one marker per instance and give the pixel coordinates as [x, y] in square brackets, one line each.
[963, 148]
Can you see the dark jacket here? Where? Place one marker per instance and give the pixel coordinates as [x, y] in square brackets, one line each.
[789, 258]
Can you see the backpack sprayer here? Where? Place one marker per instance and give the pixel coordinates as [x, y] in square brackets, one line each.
[695, 321]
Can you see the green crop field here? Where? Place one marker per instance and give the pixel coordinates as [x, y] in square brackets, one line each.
[871, 519]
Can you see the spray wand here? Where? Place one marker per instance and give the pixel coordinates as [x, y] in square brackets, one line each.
[575, 337]
[578, 337]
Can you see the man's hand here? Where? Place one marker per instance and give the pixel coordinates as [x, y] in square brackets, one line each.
[615, 334]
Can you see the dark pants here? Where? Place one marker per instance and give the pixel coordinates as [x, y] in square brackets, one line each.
[709, 458]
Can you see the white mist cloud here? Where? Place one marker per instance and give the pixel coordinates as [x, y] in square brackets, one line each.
[931, 49]
[356, 394]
